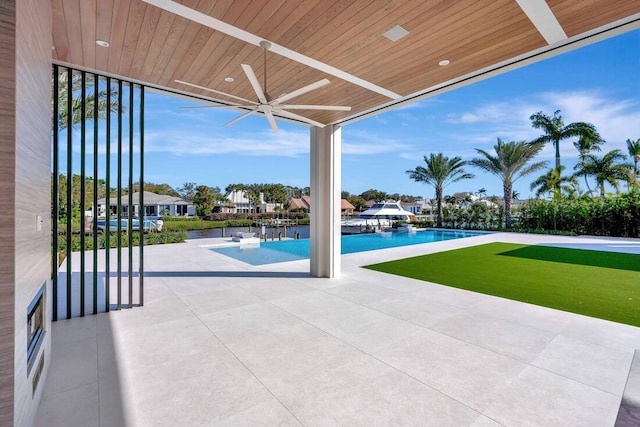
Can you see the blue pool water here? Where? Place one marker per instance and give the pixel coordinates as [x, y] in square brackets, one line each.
[293, 250]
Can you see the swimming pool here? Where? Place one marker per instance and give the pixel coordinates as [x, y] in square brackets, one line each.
[293, 250]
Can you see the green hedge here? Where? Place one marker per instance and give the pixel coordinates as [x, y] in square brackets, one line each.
[617, 215]
[149, 239]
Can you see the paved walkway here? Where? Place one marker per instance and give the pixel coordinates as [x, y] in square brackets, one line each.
[219, 342]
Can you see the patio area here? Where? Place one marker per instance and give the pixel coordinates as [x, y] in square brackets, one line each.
[220, 342]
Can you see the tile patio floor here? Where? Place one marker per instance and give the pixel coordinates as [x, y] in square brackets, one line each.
[219, 342]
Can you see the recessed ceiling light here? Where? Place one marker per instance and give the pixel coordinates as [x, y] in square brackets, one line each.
[396, 33]
[102, 43]
[228, 79]
[444, 62]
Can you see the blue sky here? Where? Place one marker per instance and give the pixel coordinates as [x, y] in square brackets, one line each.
[598, 84]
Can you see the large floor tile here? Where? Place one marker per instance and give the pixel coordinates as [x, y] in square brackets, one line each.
[76, 407]
[502, 336]
[212, 301]
[184, 286]
[362, 293]
[366, 392]
[600, 367]
[245, 323]
[483, 421]
[73, 364]
[525, 314]
[540, 398]
[159, 343]
[365, 328]
[415, 309]
[267, 413]
[290, 355]
[463, 371]
[450, 296]
[272, 289]
[388, 281]
[603, 332]
[313, 305]
[154, 312]
[66, 332]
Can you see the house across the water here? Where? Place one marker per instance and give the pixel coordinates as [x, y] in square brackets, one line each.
[154, 205]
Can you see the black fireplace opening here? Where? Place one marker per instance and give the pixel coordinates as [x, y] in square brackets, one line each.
[36, 323]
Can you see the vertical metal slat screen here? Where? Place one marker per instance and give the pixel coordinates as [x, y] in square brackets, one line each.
[83, 224]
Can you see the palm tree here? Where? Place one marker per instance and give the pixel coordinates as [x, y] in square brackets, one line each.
[554, 183]
[607, 168]
[76, 105]
[634, 152]
[555, 130]
[510, 164]
[440, 171]
[585, 145]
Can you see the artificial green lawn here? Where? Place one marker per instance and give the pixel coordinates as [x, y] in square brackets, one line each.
[593, 283]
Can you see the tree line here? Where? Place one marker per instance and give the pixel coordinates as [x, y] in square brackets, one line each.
[511, 160]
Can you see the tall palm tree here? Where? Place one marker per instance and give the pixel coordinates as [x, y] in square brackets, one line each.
[439, 171]
[606, 169]
[509, 164]
[555, 183]
[585, 145]
[634, 152]
[555, 130]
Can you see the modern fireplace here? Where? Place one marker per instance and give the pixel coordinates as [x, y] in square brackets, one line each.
[36, 322]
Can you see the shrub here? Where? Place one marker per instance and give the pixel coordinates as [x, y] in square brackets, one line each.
[617, 215]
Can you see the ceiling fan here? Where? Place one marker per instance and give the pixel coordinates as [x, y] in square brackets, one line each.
[269, 107]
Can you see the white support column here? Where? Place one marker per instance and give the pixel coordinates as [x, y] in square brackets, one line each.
[326, 176]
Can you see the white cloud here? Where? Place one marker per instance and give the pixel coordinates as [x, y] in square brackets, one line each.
[363, 142]
[184, 142]
[615, 119]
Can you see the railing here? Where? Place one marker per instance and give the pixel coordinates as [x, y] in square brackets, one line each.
[84, 108]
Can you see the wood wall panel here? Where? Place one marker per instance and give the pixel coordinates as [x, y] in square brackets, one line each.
[7, 211]
[32, 187]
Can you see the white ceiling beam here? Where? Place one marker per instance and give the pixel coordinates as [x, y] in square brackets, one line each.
[543, 19]
[223, 27]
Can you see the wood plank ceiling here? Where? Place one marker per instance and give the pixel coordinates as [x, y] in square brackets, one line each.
[155, 46]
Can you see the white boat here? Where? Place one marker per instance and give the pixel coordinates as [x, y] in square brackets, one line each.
[378, 217]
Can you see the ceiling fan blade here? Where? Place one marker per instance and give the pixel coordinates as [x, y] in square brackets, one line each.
[216, 91]
[211, 106]
[237, 119]
[298, 117]
[314, 107]
[254, 82]
[272, 120]
[302, 90]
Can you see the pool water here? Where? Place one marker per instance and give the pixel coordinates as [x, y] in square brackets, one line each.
[293, 250]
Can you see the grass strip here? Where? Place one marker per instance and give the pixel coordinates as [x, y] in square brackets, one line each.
[594, 283]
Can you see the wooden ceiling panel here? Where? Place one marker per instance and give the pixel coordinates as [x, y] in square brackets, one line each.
[103, 32]
[577, 17]
[155, 46]
[132, 29]
[431, 41]
[118, 22]
[59, 30]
